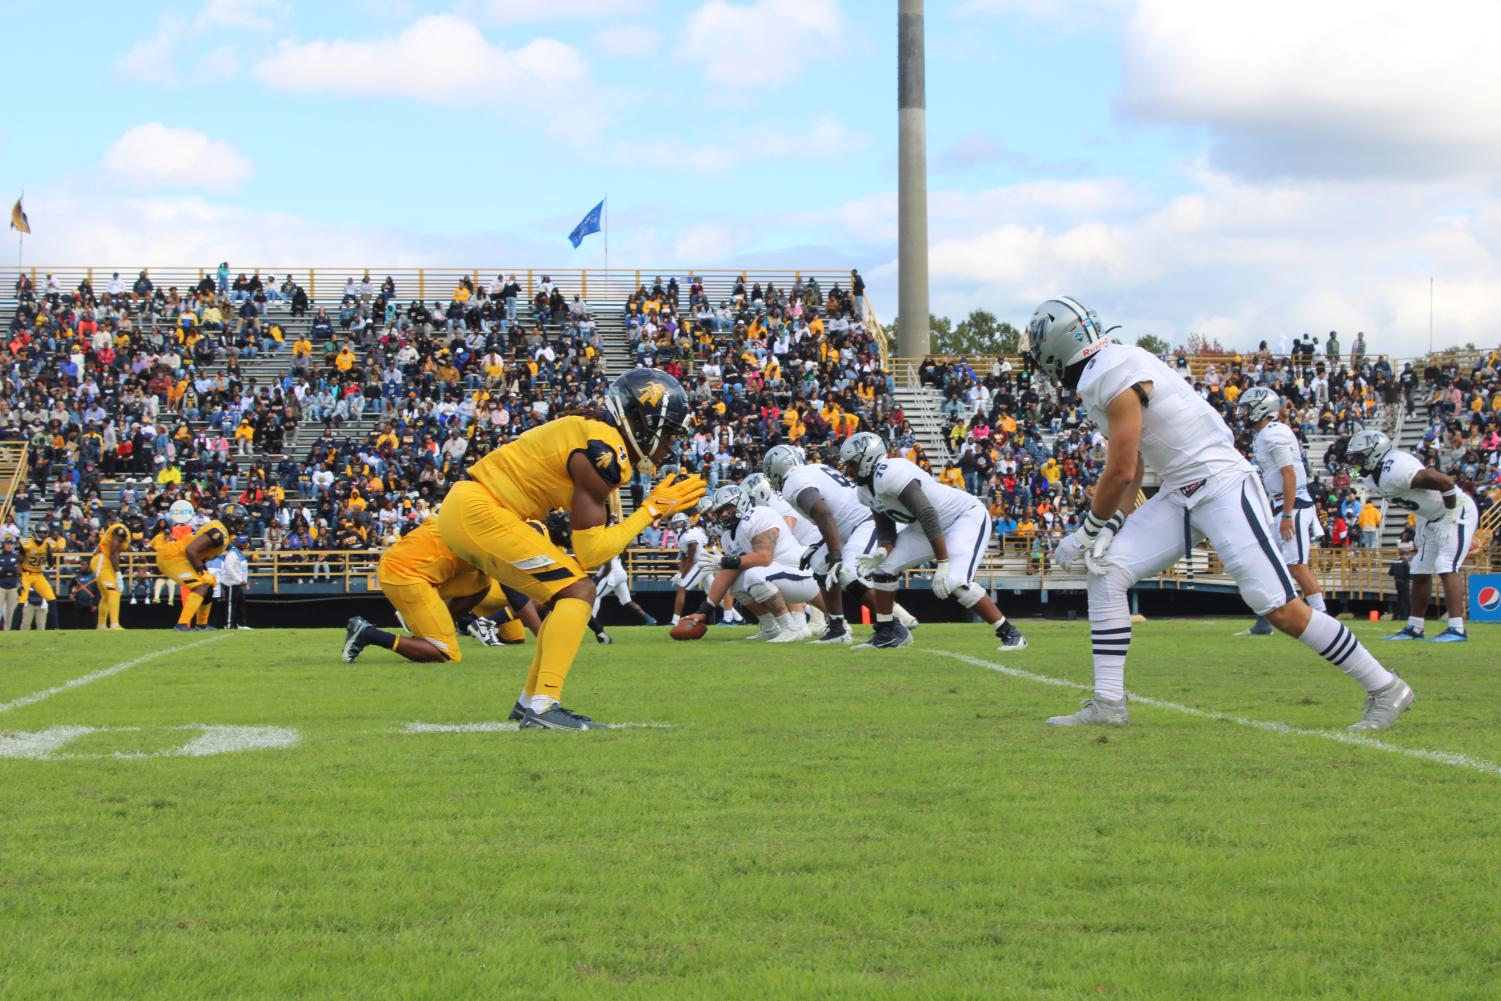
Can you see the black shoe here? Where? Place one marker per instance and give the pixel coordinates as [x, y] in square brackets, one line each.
[208, 628]
[518, 713]
[558, 718]
[888, 636]
[650, 621]
[354, 641]
[182, 628]
[1011, 637]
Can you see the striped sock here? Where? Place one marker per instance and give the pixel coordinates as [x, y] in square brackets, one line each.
[1336, 644]
[1111, 639]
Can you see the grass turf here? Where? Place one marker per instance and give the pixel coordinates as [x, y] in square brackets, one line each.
[808, 822]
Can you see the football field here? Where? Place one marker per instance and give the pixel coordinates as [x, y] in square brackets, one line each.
[239, 815]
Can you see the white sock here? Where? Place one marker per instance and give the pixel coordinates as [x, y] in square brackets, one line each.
[1336, 644]
[675, 620]
[1316, 602]
[1111, 639]
[524, 698]
[1457, 623]
[542, 703]
[788, 623]
[1415, 622]
[880, 617]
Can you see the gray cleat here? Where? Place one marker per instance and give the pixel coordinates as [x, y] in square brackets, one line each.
[1096, 712]
[1383, 707]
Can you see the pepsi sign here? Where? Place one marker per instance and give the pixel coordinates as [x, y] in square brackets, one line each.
[1485, 597]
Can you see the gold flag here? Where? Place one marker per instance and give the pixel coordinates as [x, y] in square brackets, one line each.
[18, 218]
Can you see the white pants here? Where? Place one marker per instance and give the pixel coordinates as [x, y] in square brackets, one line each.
[695, 579]
[965, 535]
[617, 583]
[1433, 557]
[1231, 511]
[1306, 529]
[758, 584]
[862, 539]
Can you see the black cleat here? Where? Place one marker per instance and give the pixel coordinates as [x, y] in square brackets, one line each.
[558, 718]
[888, 636]
[354, 641]
[518, 713]
[182, 628]
[1011, 637]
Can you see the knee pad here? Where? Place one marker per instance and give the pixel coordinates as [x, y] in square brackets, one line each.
[968, 594]
[884, 581]
[761, 591]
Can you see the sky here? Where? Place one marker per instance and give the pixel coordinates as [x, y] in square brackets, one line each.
[1244, 171]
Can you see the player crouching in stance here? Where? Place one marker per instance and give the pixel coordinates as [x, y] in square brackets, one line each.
[574, 461]
[1279, 458]
[1153, 418]
[427, 585]
[183, 561]
[1446, 518]
[937, 522]
[758, 565]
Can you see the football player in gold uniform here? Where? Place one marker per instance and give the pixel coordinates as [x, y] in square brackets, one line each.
[184, 562]
[105, 564]
[575, 461]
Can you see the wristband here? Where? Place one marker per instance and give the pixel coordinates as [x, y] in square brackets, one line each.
[728, 562]
[1452, 491]
[1288, 517]
[1093, 523]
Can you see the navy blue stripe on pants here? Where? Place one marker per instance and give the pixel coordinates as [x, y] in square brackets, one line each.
[1258, 529]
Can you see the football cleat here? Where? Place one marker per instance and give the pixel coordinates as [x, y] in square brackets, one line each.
[486, 631]
[1011, 637]
[1451, 635]
[354, 630]
[648, 620]
[837, 632]
[558, 718]
[182, 628]
[1383, 707]
[796, 635]
[603, 638]
[208, 628]
[767, 629]
[817, 621]
[518, 713]
[1095, 712]
[1261, 627]
[1407, 633]
[888, 636]
[907, 619]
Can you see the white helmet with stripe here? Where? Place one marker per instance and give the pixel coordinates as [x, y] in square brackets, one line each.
[779, 461]
[861, 453]
[1366, 449]
[1062, 333]
[1257, 404]
[758, 488]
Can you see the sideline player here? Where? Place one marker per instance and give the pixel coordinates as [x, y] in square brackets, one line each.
[574, 461]
[1153, 418]
[183, 562]
[1446, 518]
[105, 565]
[1279, 457]
[691, 538]
[36, 555]
[427, 585]
[758, 565]
[937, 522]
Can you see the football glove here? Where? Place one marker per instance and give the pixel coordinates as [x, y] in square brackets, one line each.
[806, 561]
[673, 494]
[707, 558]
[869, 563]
[941, 588]
[1087, 538]
[830, 574]
[1094, 559]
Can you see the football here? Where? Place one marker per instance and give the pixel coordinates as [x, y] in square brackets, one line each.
[690, 627]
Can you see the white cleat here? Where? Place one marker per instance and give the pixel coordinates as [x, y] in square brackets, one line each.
[1095, 712]
[1383, 707]
[817, 622]
[792, 635]
[906, 618]
[768, 629]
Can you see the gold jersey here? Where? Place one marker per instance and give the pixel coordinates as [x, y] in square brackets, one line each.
[420, 557]
[115, 531]
[529, 475]
[35, 555]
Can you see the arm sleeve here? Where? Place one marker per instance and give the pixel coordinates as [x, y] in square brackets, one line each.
[917, 502]
[594, 546]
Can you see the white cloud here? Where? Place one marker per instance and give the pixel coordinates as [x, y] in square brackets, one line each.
[1337, 88]
[507, 11]
[762, 42]
[440, 59]
[1077, 12]
[827, 138]
[156, 156]
[158, 58]
[705, 241]
[627, 40]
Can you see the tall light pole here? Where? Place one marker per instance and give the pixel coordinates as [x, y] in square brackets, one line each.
[913, 334]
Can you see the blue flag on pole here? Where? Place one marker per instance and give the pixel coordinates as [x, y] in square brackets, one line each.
[589, 224]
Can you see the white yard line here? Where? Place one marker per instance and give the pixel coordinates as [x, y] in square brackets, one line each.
[1450, 758]
[106, 672]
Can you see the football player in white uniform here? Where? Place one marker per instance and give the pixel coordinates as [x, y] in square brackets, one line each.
[758, 565]
[937, 522]
[612, 579]
[1151, 417]
[691, 538]
[826, 499]
[1279, 457]
[1446, 518]
[759, 489]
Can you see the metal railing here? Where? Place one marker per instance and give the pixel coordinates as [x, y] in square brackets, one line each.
[14, 464]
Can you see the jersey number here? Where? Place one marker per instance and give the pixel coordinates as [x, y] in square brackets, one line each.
[837, 478]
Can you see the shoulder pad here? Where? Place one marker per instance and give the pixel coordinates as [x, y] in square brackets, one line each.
[607, 460]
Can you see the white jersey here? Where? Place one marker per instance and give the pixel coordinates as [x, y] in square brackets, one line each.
[892, 476]
[691, 536]
[1183, 439]
[762, 519]
[1276, 446]
[841, 496]
[802, 529]
[1394, 482]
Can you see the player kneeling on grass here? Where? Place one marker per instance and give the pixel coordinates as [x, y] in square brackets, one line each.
[1446, 517]
[1153, 418]
[184, 562]
[427, 585]
[758, 565]
[938, 522]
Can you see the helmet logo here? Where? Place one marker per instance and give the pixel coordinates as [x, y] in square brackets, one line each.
[651, 394]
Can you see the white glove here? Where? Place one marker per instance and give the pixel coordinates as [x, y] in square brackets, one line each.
[1085, 538]
[708, 559]
[1444, 527]
[1094, 559]
[1069, 552]
[677, 580]
[941, 587]
[830, 575]
[806, 560]
[869, 563]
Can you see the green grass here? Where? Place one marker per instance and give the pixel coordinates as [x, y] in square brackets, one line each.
[810, 822]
